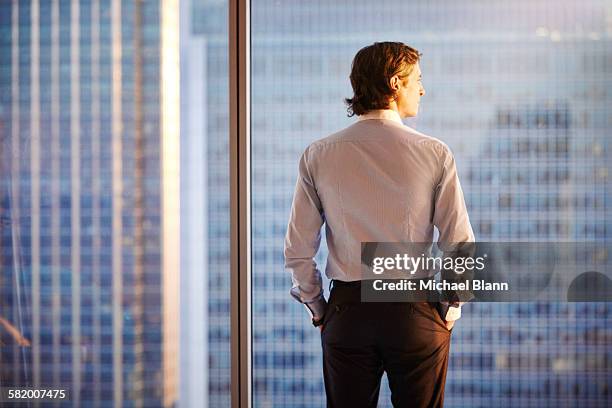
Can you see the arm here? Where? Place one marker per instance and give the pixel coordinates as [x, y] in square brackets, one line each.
[302, 243]
[22, 341]
[456, 235]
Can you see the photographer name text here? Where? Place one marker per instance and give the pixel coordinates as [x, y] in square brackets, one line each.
[441, 285]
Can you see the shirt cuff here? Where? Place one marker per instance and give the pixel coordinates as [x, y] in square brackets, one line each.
[316, 308]
[456, 315]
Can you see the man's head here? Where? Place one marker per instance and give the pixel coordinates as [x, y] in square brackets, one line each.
[386, 75]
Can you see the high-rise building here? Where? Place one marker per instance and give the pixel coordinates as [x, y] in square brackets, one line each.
[89, 199]
[205, 241]
[205, 198]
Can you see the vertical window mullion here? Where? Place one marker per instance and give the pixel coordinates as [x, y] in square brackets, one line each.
[240, 201]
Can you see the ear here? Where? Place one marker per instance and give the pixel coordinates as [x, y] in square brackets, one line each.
[394, 82]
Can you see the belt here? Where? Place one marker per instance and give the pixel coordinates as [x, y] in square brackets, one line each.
[350, 292]
[342, 284]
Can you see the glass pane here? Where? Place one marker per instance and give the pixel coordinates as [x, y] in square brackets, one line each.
[82, 278]
[519, 93]
[89, 270]
[205, 244]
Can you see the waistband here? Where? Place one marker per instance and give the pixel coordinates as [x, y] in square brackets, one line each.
[343, 284]
[351, 292]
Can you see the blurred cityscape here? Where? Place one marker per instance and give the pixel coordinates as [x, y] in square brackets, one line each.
[520, 91]
[84, 246]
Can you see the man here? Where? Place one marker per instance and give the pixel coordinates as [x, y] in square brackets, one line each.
[376, 181]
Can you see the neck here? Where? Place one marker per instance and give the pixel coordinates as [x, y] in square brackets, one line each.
[393, 106]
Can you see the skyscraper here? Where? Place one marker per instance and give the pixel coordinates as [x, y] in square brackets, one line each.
[205, 240]
[89, 196]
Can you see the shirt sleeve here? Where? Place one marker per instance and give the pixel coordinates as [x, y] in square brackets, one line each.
[302, 242]
[452, 220]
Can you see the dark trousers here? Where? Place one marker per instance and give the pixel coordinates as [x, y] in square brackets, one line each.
[408, 341]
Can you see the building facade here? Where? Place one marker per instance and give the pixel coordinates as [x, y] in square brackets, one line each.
[86, 191]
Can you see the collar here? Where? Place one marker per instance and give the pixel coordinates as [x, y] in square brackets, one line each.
[388, 114]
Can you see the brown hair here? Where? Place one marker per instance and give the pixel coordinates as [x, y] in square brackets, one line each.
[372, 68]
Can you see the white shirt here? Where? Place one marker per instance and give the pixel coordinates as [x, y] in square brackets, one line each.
[374, 181]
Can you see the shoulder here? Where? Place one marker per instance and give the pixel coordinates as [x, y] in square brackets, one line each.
[340, 136]
[428, 142]
[361, 131]
[318, 148]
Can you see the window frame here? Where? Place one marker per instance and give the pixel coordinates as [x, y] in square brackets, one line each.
[240, 202]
